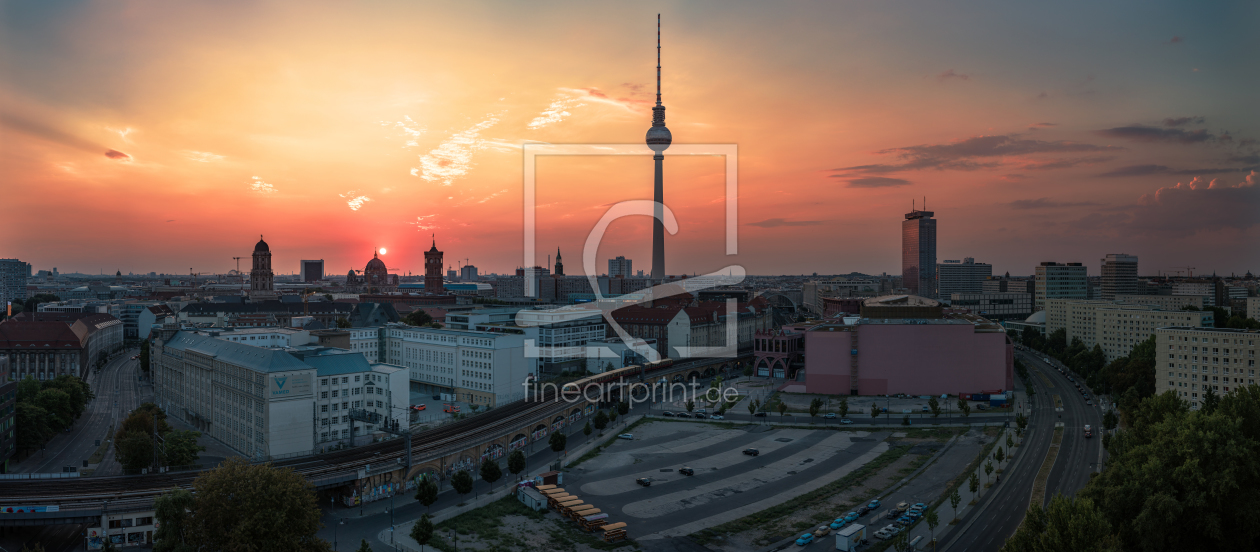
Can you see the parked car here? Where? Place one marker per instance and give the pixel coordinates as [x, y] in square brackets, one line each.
[1089, 403]
[686, 471]
[846, 421]
[667, 414]
[822, 531]
[926, 409]
[892, 514]
[701, 410]
[626, 436]
[982, 406]
[851, 516]
[805, 539]
[838, 523]
[644, 481]
[882, 534]
[863, 511]
[830, 415]
[903, 506]
[751, 451]
[920, 505]
[702, 416]
[904, 521]
[874, 504]
[761, 414]
[717, 417]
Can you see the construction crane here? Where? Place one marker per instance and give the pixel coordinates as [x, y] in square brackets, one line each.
[238, 264]
[1189, 270]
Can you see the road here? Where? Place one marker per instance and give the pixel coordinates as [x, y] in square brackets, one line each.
[1001, 513]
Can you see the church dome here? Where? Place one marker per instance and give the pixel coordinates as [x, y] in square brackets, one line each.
[261, 246]
[375, 265]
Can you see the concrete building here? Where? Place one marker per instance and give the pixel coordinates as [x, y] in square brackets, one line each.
[677, 327]
[994, 306]
[917, 357]
[485, 368]
[1167, 302]
[1116, 326]
[813, 293]
[614, 351]
[13, 276]
[901, 306]
[1190, 360]
[620, 266]
[1119, 275]
[47, 345]
[1006, 284]
[559, 339]
[312, 270]
[269, 401]
[918, 253]
[1253, 308]
[1060, 281]
[965, 276]
[468, 273]
[1036, 321]
[8, 404]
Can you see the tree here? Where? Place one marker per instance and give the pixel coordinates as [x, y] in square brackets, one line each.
[172, 508]
[962, 403]
[516, 461]
[933, 521]
[462, 481]
[1110, 420]
[874, 410]
[239, 506]
[343, 322]
[844, 407]
[782, 409]
[748, 371]
[490, 472]
[752, 407]
[901, 541]
[601, 420]
[1021, 421]
[417, 318]
[935, 406]
[558, 441]
[37, 547]
[623, 407]
[33, 429]
[974, 484]
[364, 546]
[1010, 442]
[690, 404]
[422, 531]
[1066, 524]
[427, 491]
[988, 470]
[59, 407]
[954, 499]
[182, 448]
[134, 450]
[814, 406]
[612, 415]
[1000, 455]
[965, 409]
[1210, 400]
[586, 430]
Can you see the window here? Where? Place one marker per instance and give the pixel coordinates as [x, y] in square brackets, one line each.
[323, 395]
[334, 394]
[323, 408]
[323, 382]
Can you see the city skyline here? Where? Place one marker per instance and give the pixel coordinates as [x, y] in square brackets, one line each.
[197, 136]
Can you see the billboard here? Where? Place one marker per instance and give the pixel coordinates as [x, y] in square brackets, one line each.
[283, 386]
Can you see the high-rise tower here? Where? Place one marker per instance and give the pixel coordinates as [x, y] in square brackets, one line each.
[261, 279]
[659, 139]
[433, 270]
[918, 253]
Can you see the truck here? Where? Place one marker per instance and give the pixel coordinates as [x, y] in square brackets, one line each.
[850, 537]
[1089, 432]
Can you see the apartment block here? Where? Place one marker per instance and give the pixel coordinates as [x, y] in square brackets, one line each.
[1191, 360]
[1113, 325]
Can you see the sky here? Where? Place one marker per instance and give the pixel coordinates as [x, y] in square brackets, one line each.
[146, 136]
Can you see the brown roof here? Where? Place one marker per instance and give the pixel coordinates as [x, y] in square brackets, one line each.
[643, 315]
[18, 334]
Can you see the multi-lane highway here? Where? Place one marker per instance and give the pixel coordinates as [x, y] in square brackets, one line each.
[1000, 514]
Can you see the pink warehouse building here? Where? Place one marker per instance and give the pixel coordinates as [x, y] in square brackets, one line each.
[912, 356]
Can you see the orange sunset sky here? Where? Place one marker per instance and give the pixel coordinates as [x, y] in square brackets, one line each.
[1037, 131]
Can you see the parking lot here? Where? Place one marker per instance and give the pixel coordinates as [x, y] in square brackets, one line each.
[728, 484]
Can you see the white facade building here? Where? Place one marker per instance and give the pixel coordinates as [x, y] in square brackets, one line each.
[1190, 361]
[478, 367]
[965, 276]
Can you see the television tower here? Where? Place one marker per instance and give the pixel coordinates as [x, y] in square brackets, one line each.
[658, 139]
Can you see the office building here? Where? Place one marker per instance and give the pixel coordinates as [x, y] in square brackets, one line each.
[918, 253]
[1119, 275]
[47, 345]
[13, 276]
[1253, 308]
[562, 337]
[994, 306]
[1191, 360]
[620, 266]
[615, 352]
[468, 273]
[965, 276]
[479, 367]
[1060, 281]
[1006, 284]
[312, 271]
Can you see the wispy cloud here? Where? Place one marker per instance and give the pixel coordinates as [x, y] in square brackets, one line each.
[1143, 133]
[202, 156]
[1176, 40]
[557, 111]
[410, 130]
[969, 154]
[1135, 170]
[453, 157]
[1046, 203]
[423, 222]
[492, 196]
[778, 222]
[1178, 121]
[1055, 164]
[121, 133]
[877, 182]
[257, 185]
[951, 75]
[354, 201]
[595, 95]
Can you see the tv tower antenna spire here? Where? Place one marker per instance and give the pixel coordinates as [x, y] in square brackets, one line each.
[658, 139]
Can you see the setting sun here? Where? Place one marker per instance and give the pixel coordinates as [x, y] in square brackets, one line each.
[382, 251]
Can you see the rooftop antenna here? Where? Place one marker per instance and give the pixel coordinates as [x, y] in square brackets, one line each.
[658, 59]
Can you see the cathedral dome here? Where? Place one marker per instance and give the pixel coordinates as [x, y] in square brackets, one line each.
[261, 246]
[375, 264]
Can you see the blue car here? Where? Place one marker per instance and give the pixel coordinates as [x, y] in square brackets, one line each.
[838, 523]
[805, 539]
[873, 505]
[920, 505]
[905, 520]
[851, 516]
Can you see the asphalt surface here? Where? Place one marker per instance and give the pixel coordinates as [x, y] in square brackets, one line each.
[1078, 455]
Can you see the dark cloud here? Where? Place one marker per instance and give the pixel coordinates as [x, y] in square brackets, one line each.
[877, 182]
[967, 154]
[51, 134]
[1179, 121]
[1042, 95]
[1054, 164]
[778, 222]
[1143, 133]
[950, 74]
[1039, 126]
[115, 154]
[1176, 40]
[1047, 203]
[1184, 209]
[1136, 170]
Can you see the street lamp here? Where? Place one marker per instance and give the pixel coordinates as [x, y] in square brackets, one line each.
[339, 522]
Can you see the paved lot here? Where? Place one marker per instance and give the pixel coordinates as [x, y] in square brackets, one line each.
[727, 484]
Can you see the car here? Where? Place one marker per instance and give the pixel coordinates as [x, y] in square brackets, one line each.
[760, 414]
[667, 414]
[920, 505]
[822, 531]
[982, 406]
[716, 417]
[838, 524]
[903, 506]
[418, 406]
[701, 410]
[905, 521]
[892, 514]
[846, 421]
[882, 534]
[1089, 403]
[805, 539]
[626, 436]
[751, 451]
[830, 416]
[702, 416]
[851, 516]
[644, 481]
[863, 511]
[874, 504]
[926, 409]
[686, 471]
[914, 514]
